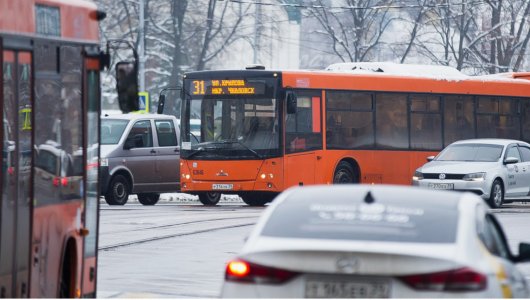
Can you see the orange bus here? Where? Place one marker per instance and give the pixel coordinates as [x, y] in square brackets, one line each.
[50, 95]
[264, 131]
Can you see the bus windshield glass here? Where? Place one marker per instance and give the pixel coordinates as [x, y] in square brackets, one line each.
[239, 120]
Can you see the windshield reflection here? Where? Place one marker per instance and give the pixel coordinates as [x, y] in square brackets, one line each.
[234, 128]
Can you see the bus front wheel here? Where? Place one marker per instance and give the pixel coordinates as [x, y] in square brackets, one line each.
[344, 174]
[148, 198]
[210, 198]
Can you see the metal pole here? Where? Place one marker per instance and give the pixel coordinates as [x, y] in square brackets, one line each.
[141, 46]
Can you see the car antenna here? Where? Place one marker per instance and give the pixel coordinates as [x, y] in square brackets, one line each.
[369, 198]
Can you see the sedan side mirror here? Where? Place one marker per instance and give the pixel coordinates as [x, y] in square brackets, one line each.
[524, 252]
[511, 160]
[430, 158]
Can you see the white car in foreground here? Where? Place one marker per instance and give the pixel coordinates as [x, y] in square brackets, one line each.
[498, 170]
[366, 241]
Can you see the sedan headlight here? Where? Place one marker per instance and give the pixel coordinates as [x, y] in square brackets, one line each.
[480, 176]
[103, 162]
[417, 175]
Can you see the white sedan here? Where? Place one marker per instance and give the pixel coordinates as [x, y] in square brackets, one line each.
[498, 170]
[366, 241]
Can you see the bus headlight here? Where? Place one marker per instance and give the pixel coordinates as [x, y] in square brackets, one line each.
[480, 176]
[103, 162]
[417, 175]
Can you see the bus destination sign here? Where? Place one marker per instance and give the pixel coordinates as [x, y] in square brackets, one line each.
[227, 87]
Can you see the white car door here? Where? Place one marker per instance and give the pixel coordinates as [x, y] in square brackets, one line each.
[525, 154]
[515, 185]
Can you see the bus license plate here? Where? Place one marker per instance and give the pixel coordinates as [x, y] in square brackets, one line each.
[441, 186]
[347, 289]
[222, 186]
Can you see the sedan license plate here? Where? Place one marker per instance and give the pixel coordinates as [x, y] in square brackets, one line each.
[222, 186]
[347, 289]
[441, 186]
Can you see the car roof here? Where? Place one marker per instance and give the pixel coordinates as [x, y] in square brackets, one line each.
[383, 194]
[136, 116]
[502, 142]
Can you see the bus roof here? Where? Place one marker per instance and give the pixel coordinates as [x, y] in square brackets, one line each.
[76, 18]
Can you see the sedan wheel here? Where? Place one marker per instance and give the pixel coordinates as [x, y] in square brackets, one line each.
[496, 195]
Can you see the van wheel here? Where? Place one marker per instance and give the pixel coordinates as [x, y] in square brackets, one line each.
[344, 174]
[496, 195]
[118, 193]
[148, 198]
[210, 198]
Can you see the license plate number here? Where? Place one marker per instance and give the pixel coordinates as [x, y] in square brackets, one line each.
[441, 186]
[222, 186]
[347, 289]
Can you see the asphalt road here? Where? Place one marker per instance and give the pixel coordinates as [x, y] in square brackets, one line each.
[178, 248]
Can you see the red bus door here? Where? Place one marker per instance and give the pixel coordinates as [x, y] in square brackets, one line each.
[91, 127]
[16, 173]
[303, 140]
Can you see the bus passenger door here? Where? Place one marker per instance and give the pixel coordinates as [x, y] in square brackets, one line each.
[303, 140]
[16, 171]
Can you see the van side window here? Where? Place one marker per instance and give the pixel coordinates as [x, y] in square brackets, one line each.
[165, 132]
[143, 129]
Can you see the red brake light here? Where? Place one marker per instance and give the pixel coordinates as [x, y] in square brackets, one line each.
[64, 181]
[242, 271]
[56, 181]
[459, 280]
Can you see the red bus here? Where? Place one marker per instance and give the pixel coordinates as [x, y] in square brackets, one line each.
[50, 95]
[264, 131]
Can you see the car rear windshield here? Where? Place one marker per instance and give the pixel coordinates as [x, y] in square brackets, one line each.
[471, 152]
[339, 220]
[112, 130]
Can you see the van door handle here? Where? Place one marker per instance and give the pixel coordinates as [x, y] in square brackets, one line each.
[153, 151]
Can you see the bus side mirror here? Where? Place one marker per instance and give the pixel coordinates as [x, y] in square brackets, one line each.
[161, 103]
[291, 103]
[127, 86]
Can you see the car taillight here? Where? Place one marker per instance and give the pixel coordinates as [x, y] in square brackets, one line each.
[243, 271]
[459, 280]
[56, 181]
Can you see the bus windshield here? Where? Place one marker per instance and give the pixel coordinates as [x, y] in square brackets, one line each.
[235, 128]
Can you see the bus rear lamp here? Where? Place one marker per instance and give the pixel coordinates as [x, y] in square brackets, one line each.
[263, 176]
[269, 185]
[187, 176]
[183, 185]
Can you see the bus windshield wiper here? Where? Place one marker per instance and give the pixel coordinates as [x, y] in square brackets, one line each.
[241, 144]
[199, 150]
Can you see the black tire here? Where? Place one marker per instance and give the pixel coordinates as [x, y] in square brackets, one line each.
[118, 192]
[148, 198]
[344, 174]
[257, 199]
[209, 198]
[496, 195]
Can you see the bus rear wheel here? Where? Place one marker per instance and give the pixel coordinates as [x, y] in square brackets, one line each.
[148, 198]
[209, 198]
[344, 174]
[118, 192]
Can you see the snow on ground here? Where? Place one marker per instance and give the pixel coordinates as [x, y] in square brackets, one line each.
[184, 198]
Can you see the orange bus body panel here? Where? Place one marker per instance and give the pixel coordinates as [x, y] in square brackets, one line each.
[368, 82]
[18, 17]
[53, 225]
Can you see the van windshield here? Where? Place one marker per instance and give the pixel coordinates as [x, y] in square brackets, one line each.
[112, 130]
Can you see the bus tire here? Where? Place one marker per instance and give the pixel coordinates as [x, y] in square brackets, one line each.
[344, 174]
[497, 194]
[209, 198]
[148, 198]
[118, 192]
[257, 199]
